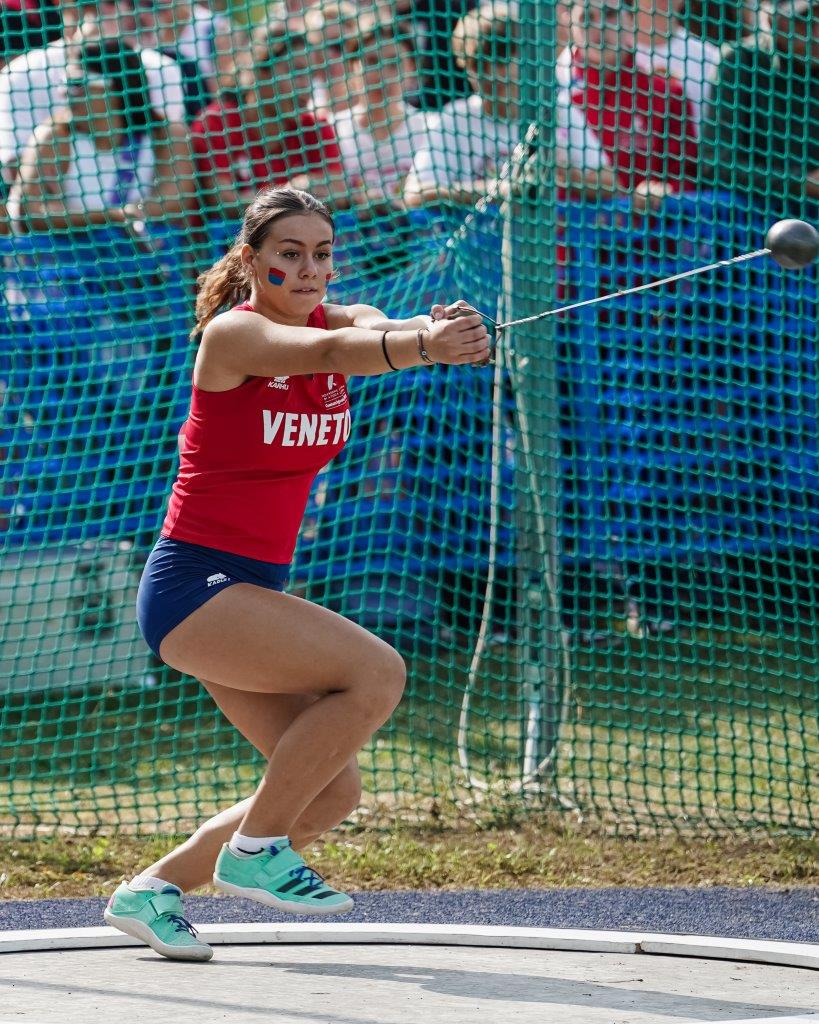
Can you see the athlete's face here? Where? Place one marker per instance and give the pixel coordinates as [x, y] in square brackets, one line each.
[292, 267]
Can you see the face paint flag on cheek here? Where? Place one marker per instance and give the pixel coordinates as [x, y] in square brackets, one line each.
[276, 276]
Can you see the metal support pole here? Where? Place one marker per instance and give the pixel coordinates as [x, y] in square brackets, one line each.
[529, 246]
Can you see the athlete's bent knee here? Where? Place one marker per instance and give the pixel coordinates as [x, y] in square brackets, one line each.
[384, 682]
[395, 676]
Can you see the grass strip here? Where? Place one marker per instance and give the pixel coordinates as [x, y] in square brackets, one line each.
[533, 855]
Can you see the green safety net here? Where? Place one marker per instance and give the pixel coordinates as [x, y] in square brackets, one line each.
[598, 554]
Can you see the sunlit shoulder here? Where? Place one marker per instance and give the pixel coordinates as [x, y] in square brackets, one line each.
[226, 326]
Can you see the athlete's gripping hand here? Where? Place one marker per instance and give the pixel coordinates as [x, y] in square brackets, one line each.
[449, 312]
[457, 335]
[460, 309]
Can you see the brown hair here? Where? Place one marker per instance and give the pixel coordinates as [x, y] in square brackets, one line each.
[227, 281]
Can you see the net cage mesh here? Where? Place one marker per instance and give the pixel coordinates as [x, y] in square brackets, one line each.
[597, 554]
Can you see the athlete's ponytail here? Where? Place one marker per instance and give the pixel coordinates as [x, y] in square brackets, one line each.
[227, 283]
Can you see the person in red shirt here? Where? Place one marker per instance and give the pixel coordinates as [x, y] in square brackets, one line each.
[28, 25]
[640, 132]
[307, 687]
[264, 133]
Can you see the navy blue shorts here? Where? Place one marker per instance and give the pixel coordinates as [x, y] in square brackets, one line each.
[179, 577]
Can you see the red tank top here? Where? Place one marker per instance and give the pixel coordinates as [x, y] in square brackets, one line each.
[249, 456]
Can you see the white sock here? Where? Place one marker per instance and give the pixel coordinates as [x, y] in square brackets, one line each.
[249, 845]
[149, 882]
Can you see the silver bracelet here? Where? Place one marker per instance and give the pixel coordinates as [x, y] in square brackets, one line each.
[421, 350]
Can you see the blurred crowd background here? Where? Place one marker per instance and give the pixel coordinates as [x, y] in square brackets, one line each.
[133, 110]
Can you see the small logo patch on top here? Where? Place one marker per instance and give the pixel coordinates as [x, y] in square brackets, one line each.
[335, 395]
[217, 578]
[280, 383]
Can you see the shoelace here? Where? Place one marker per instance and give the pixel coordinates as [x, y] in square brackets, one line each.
[305, 873]
[182, 924]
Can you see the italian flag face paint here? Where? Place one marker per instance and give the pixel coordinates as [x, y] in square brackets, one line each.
[275, 276]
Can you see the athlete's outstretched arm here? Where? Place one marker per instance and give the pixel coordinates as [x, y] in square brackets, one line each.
[249, 343]
[373, 319]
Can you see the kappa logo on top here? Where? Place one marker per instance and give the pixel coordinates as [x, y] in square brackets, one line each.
[217, 578]
[281, 383]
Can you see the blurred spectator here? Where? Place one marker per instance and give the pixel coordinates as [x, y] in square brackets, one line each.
[563, 25]
[380, 135]
[264, 133]
[31, 86]
[106, 159]
[760, 133]
[723, 22]
[471, 138]
[28, 25]
[670, 49]
[27, 90]
[442, 77]
[332, 33]
[639, 136]
[665, 48]
[202, 42]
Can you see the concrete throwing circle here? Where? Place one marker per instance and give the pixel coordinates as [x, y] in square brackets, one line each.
[408, 974]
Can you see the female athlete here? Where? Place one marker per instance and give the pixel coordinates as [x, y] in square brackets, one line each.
[305, 686]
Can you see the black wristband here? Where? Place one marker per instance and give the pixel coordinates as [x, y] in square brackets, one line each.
[384, 350]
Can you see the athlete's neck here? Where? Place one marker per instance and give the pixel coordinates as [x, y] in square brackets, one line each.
[276, 314]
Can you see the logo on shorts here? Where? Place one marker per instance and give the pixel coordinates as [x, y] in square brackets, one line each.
[217, 578]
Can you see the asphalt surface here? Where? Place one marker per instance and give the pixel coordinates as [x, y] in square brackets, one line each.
[752, 913]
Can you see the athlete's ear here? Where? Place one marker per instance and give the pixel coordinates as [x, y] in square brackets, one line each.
[248, 255]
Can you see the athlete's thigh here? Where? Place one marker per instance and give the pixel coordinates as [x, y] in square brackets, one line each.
[253, 639]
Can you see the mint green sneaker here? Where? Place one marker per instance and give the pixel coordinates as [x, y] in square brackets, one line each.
[156, 918]
[278, 877]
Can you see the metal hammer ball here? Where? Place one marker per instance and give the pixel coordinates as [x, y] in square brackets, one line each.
[793, 243]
